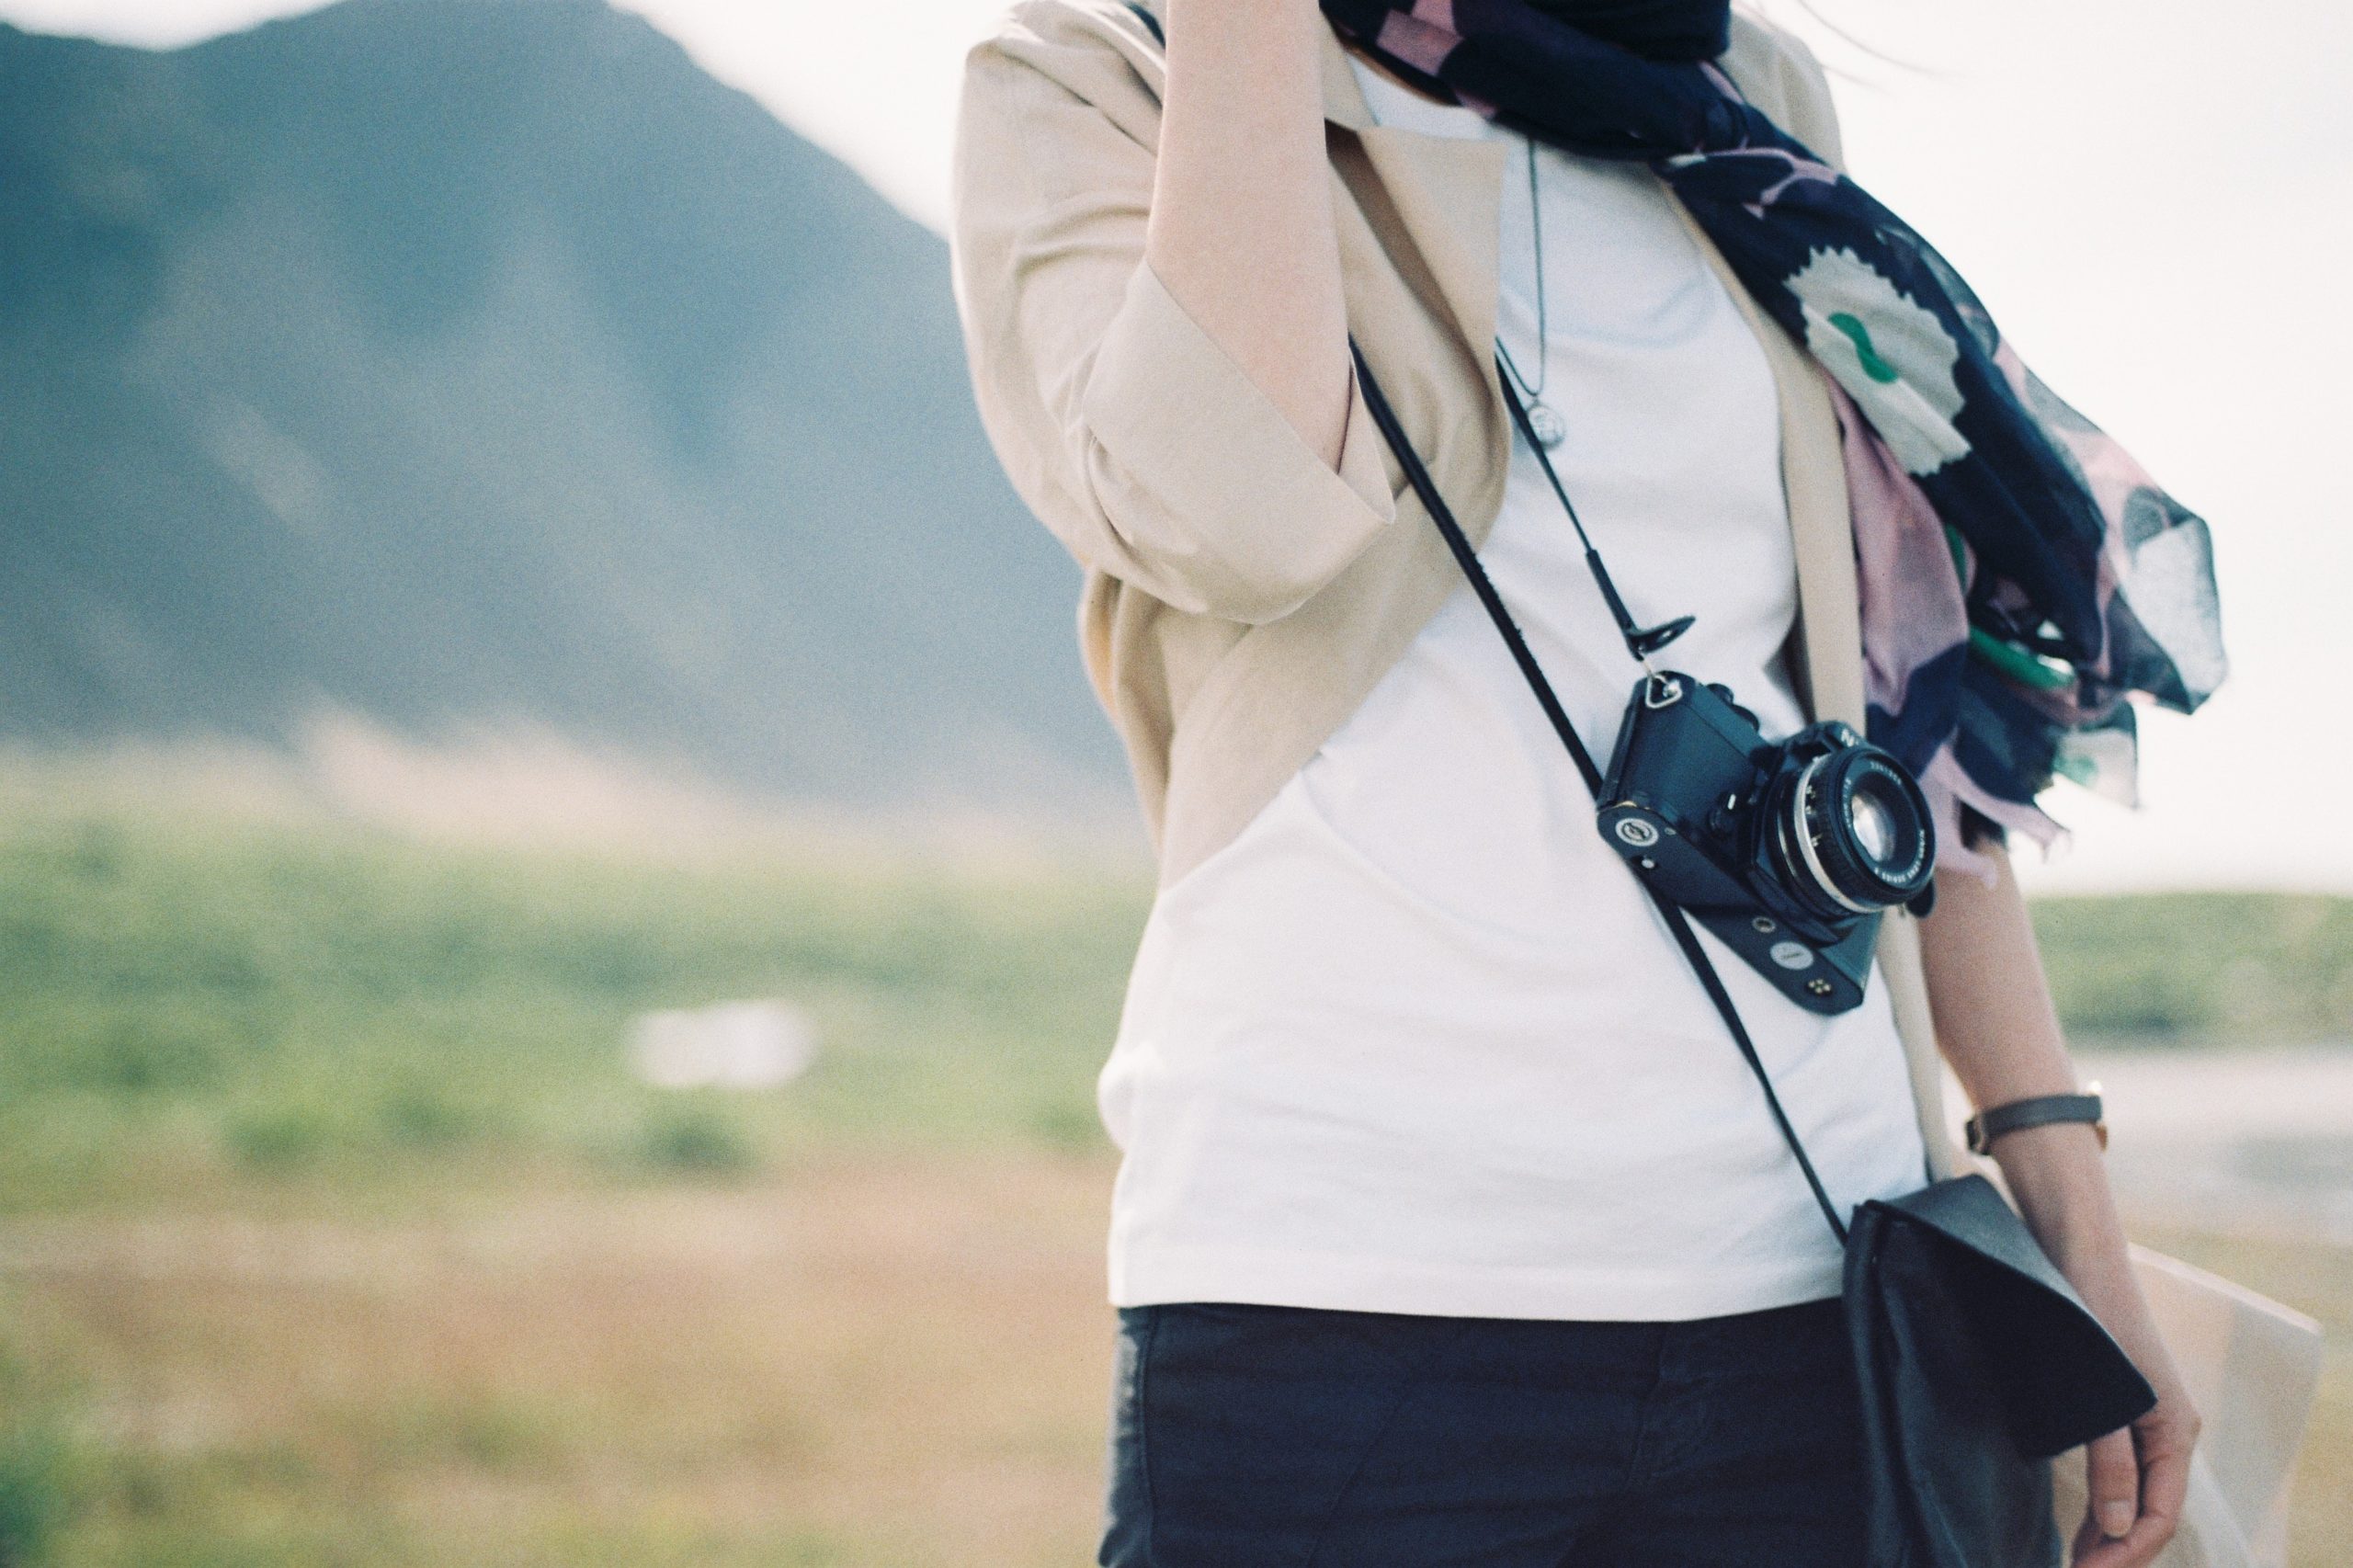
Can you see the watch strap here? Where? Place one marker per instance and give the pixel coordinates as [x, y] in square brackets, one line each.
[2042, 1111]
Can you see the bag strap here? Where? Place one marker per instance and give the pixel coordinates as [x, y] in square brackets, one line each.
[1678, 923]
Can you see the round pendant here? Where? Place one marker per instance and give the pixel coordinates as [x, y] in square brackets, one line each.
[1549, 431]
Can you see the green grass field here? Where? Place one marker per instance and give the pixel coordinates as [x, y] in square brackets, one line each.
[334, 1231]
[188, 1000]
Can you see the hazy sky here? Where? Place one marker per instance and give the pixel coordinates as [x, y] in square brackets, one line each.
[2154, 197]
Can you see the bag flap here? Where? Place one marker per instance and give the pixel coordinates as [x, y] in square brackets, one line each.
[1969, 1210]
[2062, 1378]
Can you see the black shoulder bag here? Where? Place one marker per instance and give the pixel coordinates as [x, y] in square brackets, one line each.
[1978, 1363]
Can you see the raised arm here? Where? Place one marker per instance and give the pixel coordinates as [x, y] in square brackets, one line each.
[1241, 231]
[1150, 288]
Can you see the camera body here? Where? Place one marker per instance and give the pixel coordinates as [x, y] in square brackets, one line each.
[1787, 850]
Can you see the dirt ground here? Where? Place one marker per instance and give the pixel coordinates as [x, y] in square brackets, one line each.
[876, 1362]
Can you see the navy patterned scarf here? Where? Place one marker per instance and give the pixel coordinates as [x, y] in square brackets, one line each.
[1656, 29]
[2022, 579]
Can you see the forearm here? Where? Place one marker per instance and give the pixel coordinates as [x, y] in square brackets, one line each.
[1997, 1027]
[1241, 232]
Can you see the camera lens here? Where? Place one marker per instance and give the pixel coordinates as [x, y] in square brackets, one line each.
[1852, 832]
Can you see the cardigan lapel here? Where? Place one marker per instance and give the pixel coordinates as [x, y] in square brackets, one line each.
[1344, 102]
[1442, 199]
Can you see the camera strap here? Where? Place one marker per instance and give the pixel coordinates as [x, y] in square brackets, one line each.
[1678, 923]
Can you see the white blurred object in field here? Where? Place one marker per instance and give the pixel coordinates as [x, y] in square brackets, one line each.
[729, 1045]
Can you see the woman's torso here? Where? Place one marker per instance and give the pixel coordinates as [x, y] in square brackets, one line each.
[1413, 1040]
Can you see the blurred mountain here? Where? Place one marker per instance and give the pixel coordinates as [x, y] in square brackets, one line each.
[461, 365]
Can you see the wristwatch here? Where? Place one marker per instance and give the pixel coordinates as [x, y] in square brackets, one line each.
[2040, 1111]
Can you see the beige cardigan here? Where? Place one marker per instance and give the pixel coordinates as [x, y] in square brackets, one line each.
[1241, 595]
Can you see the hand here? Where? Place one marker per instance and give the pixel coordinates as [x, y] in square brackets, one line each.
[2140, 1473]
[2137, 1475]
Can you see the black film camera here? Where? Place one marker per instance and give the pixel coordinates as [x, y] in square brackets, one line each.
[1787, 850]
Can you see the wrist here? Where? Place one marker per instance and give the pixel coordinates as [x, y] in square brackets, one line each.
[2056, 1176]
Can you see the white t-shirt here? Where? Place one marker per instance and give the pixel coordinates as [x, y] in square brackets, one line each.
[1414, 1041]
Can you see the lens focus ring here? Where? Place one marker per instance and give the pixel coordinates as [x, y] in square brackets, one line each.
[1866, 828]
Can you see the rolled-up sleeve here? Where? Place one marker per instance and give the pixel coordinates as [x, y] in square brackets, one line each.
[1139, 440]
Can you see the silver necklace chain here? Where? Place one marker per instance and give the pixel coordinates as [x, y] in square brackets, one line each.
[1547, 424]
[1549, 429]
